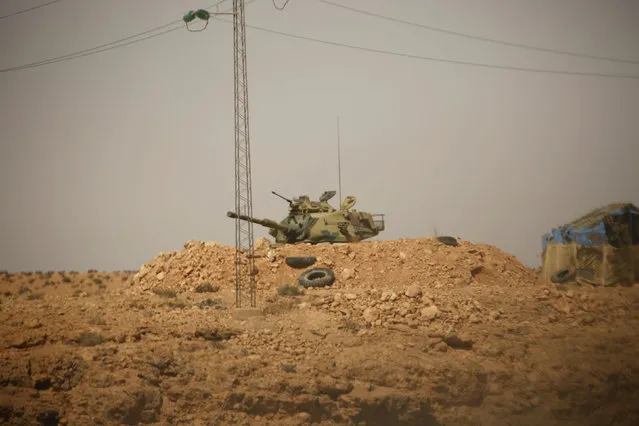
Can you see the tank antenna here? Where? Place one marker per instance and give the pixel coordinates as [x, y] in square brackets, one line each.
[339, 167]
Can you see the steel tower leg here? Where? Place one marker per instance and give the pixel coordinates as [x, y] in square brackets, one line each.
[244, 261]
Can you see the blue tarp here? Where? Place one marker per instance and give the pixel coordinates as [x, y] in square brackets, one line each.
[592, 236]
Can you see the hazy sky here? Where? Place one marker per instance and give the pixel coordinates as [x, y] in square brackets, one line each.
[109, 159]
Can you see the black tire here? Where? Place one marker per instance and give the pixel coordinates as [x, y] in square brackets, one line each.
[317, 277]
[563, 276]
[449, 241]
[300, 262]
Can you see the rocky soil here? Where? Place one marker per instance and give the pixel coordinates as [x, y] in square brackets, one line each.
[411, 333]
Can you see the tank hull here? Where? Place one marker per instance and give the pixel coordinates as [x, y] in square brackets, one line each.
[321, 223]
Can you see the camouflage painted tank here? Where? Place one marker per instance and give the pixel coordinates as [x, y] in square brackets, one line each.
[319, 222]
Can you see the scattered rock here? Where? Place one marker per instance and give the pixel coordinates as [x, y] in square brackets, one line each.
[430, 312]
[370, 314]
[132, 408]
[413, 291]
[348, 274]
[415, 329]
[215, 334]
[261, 247]
[303, 417]
[24, 342]
[271, 255]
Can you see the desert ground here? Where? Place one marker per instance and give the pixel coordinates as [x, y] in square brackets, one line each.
[412, 332]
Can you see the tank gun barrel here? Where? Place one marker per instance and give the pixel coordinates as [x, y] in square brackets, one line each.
[268, 223]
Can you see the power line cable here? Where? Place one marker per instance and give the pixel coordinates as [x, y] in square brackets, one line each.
[109, 46]
[282, 7]
[29, 9]
[486, 39]
[86, 53]
[443, 60]
[106, 46]
[93, 50]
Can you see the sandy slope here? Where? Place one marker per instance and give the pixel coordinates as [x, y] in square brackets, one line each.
[412, 333]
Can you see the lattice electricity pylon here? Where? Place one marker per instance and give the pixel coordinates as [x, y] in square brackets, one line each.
[244, 261]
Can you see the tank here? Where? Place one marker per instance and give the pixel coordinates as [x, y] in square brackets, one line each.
[316, 222]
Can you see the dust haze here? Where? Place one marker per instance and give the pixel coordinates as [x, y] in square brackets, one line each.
[117, 172]
[109, 159]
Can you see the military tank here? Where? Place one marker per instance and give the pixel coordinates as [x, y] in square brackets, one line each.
[315, 222]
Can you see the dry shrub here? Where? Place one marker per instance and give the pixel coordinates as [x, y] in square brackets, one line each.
[290, 290]
[90, 338]
[206, 287]
[165, 292]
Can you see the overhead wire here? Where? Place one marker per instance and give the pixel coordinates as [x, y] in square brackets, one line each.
[20, 12]
[93, 50]
[114, 45]
[486, 39]
[282, 7]
[87, 52]
[442, 60]
[107, 46]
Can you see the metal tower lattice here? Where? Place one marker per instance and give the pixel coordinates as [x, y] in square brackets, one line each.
[244, 261]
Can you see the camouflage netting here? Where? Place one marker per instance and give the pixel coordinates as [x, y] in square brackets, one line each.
[603, 265]
[600, 248]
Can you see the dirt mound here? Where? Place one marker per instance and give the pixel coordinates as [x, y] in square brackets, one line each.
[198, 262]
[383, 264]
[397, 276]
[413, 332]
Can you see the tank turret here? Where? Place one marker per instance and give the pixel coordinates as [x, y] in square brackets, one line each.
[318, 222]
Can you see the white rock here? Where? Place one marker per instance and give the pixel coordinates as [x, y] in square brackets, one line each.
[270, 255]
[430, 312]
[348, 273]
[371, 314]
[261, 246]
[413, 291]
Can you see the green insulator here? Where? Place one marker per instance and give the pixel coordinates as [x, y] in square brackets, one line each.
[202, 14]
[189, 16]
